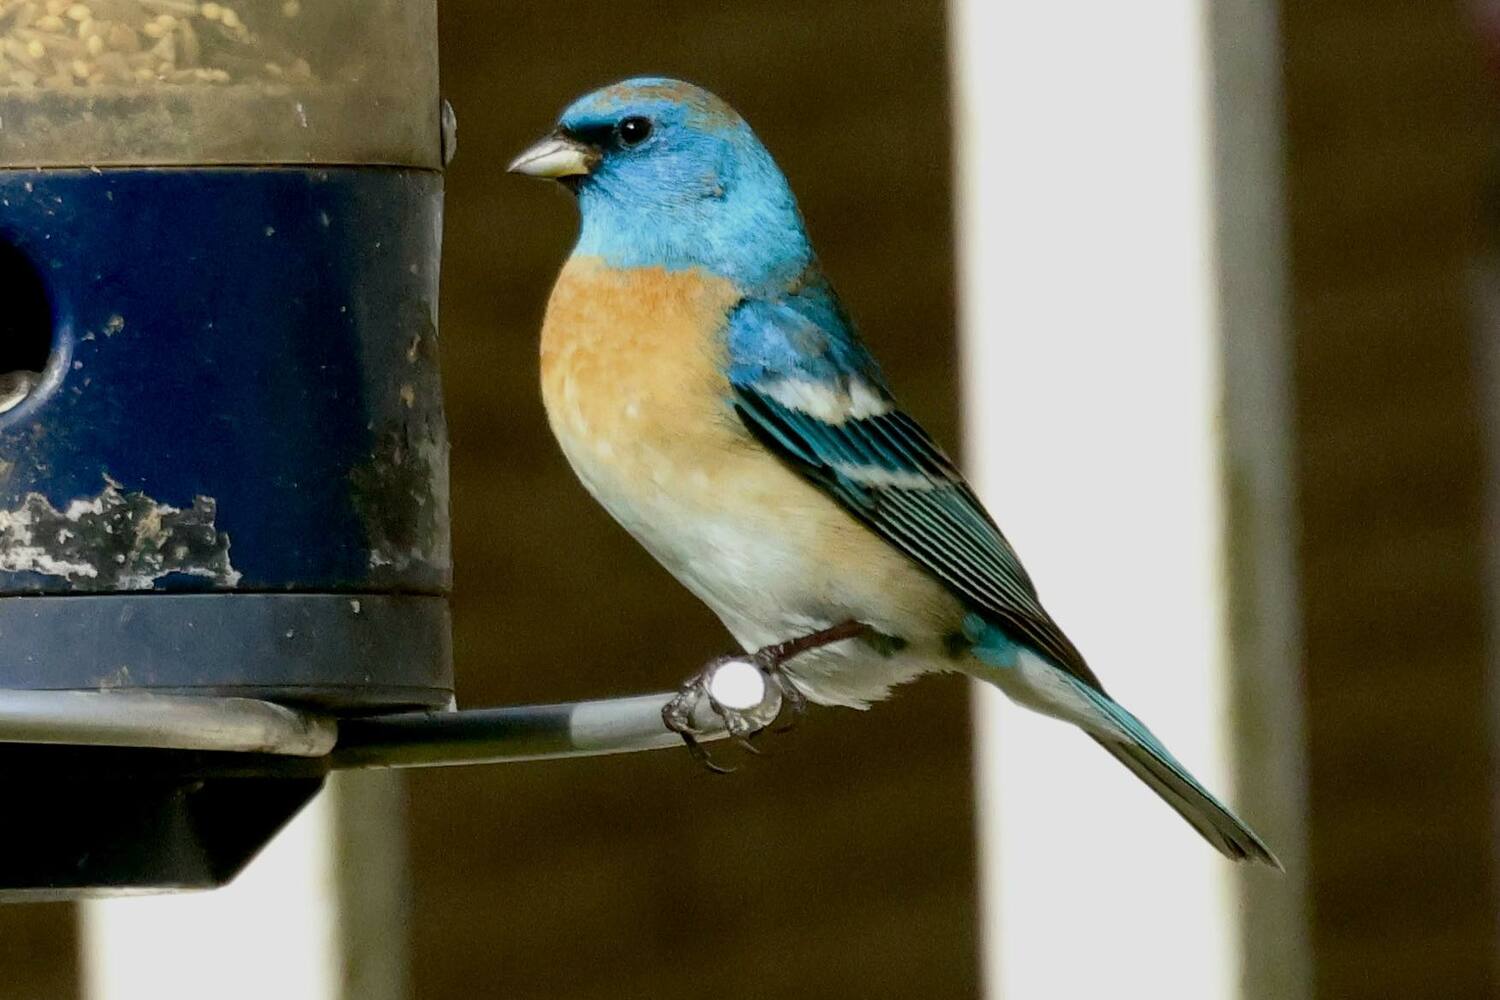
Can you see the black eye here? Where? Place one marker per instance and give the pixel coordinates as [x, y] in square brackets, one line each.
[633, 131]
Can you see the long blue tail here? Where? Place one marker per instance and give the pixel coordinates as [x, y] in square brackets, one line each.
[1132, 744]
[1030, 679]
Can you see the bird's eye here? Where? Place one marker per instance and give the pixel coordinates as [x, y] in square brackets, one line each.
[633, 131]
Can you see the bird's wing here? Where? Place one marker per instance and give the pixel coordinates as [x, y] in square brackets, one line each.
[836, 424]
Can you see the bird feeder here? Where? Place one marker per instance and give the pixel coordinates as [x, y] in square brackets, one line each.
[224, 539]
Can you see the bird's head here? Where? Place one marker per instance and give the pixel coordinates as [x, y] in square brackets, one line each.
[668, 175]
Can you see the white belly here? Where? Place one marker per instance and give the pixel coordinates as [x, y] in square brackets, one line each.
[762, 564]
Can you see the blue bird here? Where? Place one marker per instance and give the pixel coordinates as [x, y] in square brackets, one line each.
[710, 391]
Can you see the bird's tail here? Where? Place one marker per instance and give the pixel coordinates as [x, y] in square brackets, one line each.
[1036, 682]
[1133, 745]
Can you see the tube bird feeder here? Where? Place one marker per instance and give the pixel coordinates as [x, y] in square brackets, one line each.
[224, 538]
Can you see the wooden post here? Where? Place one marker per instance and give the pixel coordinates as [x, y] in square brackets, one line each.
[1266, 687]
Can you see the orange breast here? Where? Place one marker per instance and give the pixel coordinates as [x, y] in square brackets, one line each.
[636, 356]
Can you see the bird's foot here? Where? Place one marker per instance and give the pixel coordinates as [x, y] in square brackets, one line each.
[747, 694]
[738, 692]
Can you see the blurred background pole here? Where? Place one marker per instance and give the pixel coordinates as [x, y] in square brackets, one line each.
[1266, 686]
[1125, 365]
[320, 915]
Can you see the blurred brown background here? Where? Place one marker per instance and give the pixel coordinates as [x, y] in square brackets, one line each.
[1390, 133]
[842, 864]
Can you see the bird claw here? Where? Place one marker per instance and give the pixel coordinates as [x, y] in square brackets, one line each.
[700, 754]
[741, 725]
[677, 716]
[745, 724]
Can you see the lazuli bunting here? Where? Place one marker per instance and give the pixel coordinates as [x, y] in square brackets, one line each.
[710, 391]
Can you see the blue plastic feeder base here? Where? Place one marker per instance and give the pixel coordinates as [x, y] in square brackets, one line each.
[231, 476]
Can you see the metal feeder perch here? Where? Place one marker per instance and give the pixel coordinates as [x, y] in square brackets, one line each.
[224, 539]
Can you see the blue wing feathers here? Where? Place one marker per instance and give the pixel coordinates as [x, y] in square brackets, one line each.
[879, 463]
[929, 512]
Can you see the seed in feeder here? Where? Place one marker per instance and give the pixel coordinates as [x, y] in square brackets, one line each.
[122, 39]
[80, 12]
[35, 49]
[191, 50]
[95, 44]
[230, 19]
[211, 11]
[114, 67]
[153, 29]
[58, 6]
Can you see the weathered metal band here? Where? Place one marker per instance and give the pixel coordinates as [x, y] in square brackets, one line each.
[330, 652]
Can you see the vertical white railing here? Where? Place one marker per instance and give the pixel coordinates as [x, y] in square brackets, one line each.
[273, 933]
[318, 916]
[1092, 339]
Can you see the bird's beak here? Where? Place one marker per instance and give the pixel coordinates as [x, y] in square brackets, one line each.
[555, 157]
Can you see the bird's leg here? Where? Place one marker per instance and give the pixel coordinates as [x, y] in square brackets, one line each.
[742, 722]
[772, 661]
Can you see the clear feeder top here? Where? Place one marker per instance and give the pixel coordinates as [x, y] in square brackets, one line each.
[183, 82]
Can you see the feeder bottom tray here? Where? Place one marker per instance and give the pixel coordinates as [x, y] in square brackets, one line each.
[111, 792]
[111, 820]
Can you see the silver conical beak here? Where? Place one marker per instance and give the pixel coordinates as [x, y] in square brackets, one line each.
[555, 157]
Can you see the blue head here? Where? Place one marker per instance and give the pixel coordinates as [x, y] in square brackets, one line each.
[667, 175]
